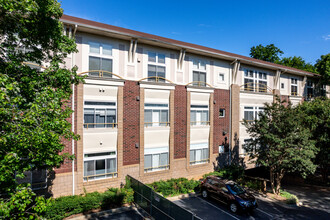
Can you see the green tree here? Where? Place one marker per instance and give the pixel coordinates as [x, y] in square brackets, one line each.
[280, 142]
[269, 53]
[323, 67]
[315, 115]
[33, 110]
[298, 63]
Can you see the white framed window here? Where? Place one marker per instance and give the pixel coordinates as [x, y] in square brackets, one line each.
[156, 115]
[199, 115]
[282, 85]
[99, 114]
[156, 159]
[156, 66]
[294, 86]
[222, 112]
[252, 113]
[100, 165]
[199, 153]
[100, 58]
[221, 78]
[221, 149]
[199, 73]
[255, 81]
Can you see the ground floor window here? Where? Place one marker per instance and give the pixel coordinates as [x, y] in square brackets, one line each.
[100, 165]
[199, 153]
[37, 178]
[156, 159]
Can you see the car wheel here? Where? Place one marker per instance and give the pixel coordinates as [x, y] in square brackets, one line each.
[233, 208]
[204, 194]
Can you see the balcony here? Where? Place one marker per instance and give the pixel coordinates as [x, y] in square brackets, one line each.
[256, 88]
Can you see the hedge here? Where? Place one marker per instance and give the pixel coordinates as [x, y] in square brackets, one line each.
[69, 205]
[173, 187]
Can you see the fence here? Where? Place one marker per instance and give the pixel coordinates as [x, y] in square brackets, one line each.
[156, 205]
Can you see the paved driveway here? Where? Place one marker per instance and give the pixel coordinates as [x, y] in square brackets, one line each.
[210, 209]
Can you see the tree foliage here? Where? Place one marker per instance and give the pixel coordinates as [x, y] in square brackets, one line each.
[280, 142]
[33, 113]
[323, 67]
[298, 63]
[269, 53]
[315, 115]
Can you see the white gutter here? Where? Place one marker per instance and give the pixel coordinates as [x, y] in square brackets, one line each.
[72, 122]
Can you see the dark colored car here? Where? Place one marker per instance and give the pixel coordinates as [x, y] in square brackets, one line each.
[228, 192]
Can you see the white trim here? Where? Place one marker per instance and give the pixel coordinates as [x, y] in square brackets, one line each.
[156, 150]
[103, 82]
[200, 90]
[150, 86]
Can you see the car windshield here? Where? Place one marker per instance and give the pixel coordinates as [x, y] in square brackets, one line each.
[236, 189]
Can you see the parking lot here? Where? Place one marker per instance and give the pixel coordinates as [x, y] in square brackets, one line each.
[211, 209]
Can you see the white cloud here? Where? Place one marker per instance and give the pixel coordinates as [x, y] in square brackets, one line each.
[327, 37]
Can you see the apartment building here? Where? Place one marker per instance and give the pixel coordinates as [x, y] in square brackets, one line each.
[157, 108]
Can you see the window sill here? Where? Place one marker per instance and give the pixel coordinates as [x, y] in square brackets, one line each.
[156, 172]
[105, 179]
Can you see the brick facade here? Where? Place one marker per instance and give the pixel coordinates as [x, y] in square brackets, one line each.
[180, 122]
[131, 123]
[220, 125]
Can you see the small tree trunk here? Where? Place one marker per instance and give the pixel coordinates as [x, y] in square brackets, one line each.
[279, 178]
[271, 174]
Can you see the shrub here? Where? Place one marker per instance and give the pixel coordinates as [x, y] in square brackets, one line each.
[252, 184]
[174, 187]
[231, 172]
[69, 205]
[290, 198]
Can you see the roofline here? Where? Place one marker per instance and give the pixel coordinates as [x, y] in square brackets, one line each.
[180, 44]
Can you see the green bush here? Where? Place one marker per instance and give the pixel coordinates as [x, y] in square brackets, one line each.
[252, 184]
[69, 205]
[290, 198]
[174, 187]
[231, 172]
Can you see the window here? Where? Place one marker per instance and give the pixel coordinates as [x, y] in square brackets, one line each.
[222, 112]
[221, 149]
[156, 115]
[310, 89]
[199, 153]
[255, 81]
[99, 114]
[156, 66]
[37, 178]
[282, 85]
[294, 86]
[199, 73]
[252, 113]
[199, 115]
[156, 161]
[100, 58]
[100, 165]
[221, 78]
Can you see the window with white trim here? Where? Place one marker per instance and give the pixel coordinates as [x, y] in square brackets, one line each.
[100, 165]
[199, 73]
[100, 58]
[255, 81]
[156, 159]
[156, 66]
[99, 114]
[294, 86]
[221, 78]
[222, 112]
[252, 113]
[199, 115]
[156, 115]
[199, 153]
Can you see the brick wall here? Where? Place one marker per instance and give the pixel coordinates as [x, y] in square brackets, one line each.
[67, 164]
[221, 98]
[131, 123]
[180, 122]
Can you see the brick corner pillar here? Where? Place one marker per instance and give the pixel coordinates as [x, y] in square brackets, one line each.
[234, 132]
[180, 122]
[276, 92]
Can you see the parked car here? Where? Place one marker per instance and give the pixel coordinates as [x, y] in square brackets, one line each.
[228, 192]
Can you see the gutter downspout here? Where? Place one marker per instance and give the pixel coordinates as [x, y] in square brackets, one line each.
[73, 115]
[230, 110]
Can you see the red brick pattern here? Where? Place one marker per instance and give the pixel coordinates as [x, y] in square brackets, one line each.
[180, 122]
[220, 125]
[131, 123]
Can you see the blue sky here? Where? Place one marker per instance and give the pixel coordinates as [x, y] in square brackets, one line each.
[300, 28]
